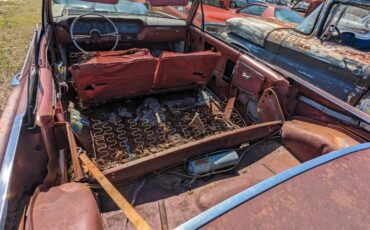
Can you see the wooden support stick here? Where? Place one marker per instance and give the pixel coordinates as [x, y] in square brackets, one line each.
[116, 196]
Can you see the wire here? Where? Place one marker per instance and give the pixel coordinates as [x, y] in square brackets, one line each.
[189, 175]
[137, 191]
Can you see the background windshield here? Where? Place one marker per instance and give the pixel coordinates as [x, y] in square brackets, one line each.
[308, 23]
[288, 15]
[123, 7]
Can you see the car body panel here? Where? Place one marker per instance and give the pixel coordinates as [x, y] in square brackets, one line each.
[341, 70]
[300, 196]
[323, 59]
[216, 14]
[253, 30]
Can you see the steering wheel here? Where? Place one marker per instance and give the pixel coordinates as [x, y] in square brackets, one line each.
[95, 35]
[232, 5]
[338, 37]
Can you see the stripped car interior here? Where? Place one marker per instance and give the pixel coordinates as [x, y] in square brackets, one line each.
[149, 100]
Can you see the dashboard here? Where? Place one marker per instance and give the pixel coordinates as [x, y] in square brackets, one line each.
[84, 27]
[133, 30]
[127, 30]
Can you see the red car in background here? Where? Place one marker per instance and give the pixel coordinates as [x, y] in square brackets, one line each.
[305, 7]
[218, 11]
[266, 10]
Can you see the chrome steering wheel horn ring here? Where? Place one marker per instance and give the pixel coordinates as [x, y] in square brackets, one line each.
[95, 34]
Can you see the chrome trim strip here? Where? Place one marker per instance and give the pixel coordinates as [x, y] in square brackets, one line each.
[343, 105]
[6, 169]
[330, 112]
[248, 194]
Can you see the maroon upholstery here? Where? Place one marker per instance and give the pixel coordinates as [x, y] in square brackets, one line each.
[307, 139]
[67, 206]
[183, 69]
[114, 74]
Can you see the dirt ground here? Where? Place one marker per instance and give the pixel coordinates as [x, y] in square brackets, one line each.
[18, 18]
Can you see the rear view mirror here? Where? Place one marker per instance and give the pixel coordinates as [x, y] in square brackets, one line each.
[152, 2]
[169, 2]
[16, 79]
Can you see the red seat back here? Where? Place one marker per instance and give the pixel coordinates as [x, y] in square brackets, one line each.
[183, 69]
[114, 74]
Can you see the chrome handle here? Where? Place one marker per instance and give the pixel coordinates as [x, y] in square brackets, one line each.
[245, 75]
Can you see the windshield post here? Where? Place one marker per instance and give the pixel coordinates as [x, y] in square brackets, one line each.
[202, 13]
[307, 26]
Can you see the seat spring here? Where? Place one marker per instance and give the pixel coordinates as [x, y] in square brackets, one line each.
[126, 138]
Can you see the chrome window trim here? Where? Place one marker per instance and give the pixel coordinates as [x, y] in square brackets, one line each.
[7, 167]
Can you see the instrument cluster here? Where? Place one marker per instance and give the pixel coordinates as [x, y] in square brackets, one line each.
[104, 27]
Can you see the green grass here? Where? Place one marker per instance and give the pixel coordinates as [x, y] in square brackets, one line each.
[18, 19]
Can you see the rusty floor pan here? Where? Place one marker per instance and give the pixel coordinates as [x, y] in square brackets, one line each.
[166, 201]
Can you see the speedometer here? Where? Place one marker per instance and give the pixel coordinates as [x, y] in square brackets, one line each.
[101, 26]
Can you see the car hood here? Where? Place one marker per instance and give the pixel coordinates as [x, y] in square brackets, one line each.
[256, 29]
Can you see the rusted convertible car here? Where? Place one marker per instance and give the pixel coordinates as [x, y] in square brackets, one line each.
[330, 48]
[124, 116]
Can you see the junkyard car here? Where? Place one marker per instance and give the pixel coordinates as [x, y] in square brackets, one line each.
[305, 7]
[127, 116]
[215, 11]
[330, 48]
[278, 2]
[265, 10]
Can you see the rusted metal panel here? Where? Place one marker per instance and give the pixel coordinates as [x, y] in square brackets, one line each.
[269, 108]
[53, 161]
[255, 29]
[248, 79]
[168, 208]
[272, 78]
[332, 196]
[328, 52]
[27, 171]
[337, 68]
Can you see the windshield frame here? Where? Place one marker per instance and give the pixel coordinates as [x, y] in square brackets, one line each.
[317, 11]
[190, 14]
